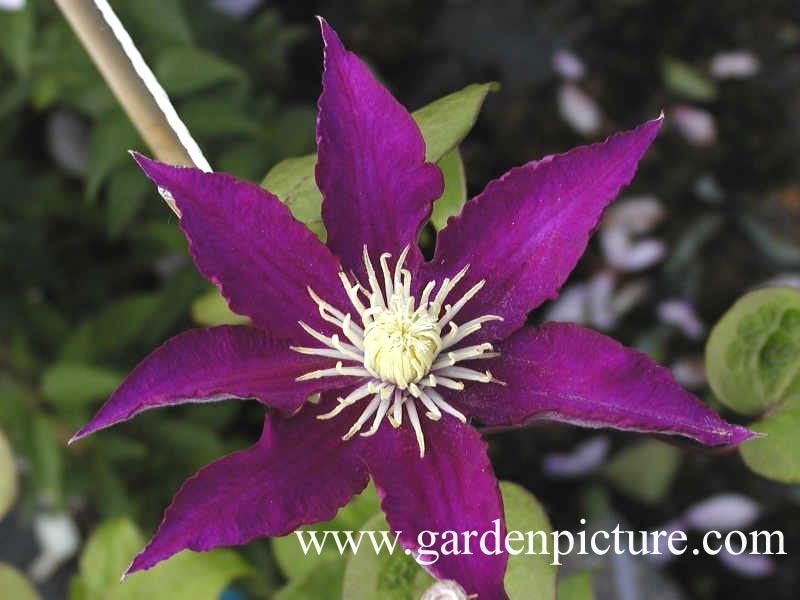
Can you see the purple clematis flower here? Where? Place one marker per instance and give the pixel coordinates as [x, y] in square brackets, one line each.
[404, 353]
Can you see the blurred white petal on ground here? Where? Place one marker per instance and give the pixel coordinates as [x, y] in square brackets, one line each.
[696, 125]
[735, 64]
[58, 539]
[579, 110]
[582, 460]
[568, 65]
[622, 224]
[680, 313]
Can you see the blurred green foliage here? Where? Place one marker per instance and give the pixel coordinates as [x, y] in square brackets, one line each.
[94, 268]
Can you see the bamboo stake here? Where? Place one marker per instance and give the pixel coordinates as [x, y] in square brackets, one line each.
[133, 83]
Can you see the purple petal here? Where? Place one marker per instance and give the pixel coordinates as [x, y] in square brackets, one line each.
[205, 365]
[563, 372]
[377, 188]
[527, 230]
[299, 472]
[452, 488]
[245, 241]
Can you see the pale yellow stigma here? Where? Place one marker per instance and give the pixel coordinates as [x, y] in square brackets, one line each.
[400, 344]
[403, 349]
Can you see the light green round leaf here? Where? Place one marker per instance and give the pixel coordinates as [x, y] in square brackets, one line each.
[384, 576]
[289, 554]
[576, 586]
[452, 200]
[753, 353]
[323, 582]
[69, 386]
[185, 576]
[13, 584]
[645, 470]
[444, 123]
[8, 477]
[210, 309]
[776, 456]
[106, 555]
[528, 576]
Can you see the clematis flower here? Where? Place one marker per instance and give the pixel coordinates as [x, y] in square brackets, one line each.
[406, 355]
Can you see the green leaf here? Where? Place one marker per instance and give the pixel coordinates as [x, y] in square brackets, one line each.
[384, 576]
[8, 477]
[48, 462]
[289, 554]
[455, 189]
[644, 470]
[776, 456]
[127, 191]
[164, 20]
[753, 353]
[16, 37]
[444, 123]
[211, 309]
[108, 552]
[323, 582]
[69, 386]
[193, 445]
[13, 584]
[448, 120]
[185, 576]
[396, 576]
[576, 586]
[112, 330]
[685, 81]
[186, 70]
[109, 142]
[215, 117]
[292, 180]
[529, 576]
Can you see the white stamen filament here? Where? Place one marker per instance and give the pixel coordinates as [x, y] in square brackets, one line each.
[402, 351]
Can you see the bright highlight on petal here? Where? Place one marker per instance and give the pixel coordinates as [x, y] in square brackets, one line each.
[404, 347]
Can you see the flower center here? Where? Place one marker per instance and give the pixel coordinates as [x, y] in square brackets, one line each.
[403, 349]
[401, 344]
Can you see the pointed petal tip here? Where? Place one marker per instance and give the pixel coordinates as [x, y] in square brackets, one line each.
[329, 35]
[81, 433]
[741, 434]
[130, 570]
[148, 165]
[139, 157]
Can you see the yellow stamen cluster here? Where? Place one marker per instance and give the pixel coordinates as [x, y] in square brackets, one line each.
[402, 350]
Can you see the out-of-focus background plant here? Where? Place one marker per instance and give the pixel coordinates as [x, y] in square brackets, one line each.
[95, 271]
